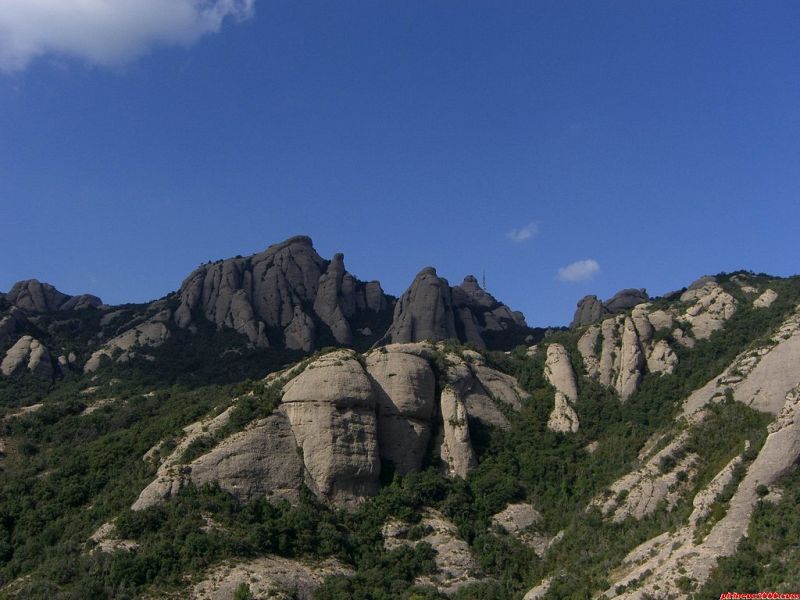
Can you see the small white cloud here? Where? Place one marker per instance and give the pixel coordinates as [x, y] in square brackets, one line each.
[579, 271]
[523, 233]
[106, 32]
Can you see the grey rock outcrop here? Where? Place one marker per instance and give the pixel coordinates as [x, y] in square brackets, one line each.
[424, 312]
[456, 567]
[406, 404]
[149, 334]
[34, 296]
[265, 291]
[625, 300]
[591, 309]
[766, 299]
[341, 414]
[563, 417]
[31, 354]
[619, 350]
[559, 373]
[260, 461]
[673, 558]
[331, 407]
[267, 577]
[299, 333]
[712, 307]
[432, 310]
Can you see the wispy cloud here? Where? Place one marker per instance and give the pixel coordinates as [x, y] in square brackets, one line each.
[523, 233]
[579, 271]
[106, 32]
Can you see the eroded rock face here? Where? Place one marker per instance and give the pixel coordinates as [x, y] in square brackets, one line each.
[591, 309]
[456, 567]
[268, 577]
[658, 565]
[339, 416]
[331, 406]
[559, 373]
[523, 521]
[149, 334]
[712, 307]
[424, 312]
[28, 353]
[455, 448]
[300, 332]
[766, 299]
[432, 310]
[619, 350]
[563, 417]
[758, 377]
[265, 292]
[34, 296]
[406, 404]
[625, 300]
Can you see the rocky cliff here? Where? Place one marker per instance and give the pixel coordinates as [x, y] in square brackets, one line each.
[340, 418]
[276, 297]
[432, 310]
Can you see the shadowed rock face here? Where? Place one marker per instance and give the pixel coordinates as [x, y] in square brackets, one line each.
[283, 289]
[340, 416]
[432, 310]
[591, 309]
[38, 297]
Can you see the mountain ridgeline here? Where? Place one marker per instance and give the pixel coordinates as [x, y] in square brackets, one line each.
[278, 428]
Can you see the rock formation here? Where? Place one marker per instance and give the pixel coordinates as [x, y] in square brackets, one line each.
[339, 417]
[149, 334]
[618, 351]
[31, 354]
[766, 299]
[267, 577]
[37, 297]
[405, 389]
[591, 309]
[456, 567]
[269, 291]
[432, 310]
[559, 373]
[331, 407]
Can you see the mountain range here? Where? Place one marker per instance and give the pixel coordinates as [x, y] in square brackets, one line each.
[278, 428]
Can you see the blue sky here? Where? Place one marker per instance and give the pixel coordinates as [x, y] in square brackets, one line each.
[649, 143]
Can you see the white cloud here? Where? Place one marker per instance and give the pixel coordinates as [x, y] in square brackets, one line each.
[523, 233]
[106, 32]
[579, 271]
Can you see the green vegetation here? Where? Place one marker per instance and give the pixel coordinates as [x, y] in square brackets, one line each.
[66, 471]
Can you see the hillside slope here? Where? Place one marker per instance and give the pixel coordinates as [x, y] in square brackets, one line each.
[648, 452]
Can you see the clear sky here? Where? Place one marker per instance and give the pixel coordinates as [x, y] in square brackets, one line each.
[564, 148]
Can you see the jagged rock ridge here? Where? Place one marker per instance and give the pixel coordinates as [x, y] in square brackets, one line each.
[278, 294]
[591, 309]
[432, 310]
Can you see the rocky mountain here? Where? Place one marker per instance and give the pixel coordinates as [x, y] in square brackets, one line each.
[279, 428]
[433, 310]
[287, 299]
[591, 309]
[285, 292]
